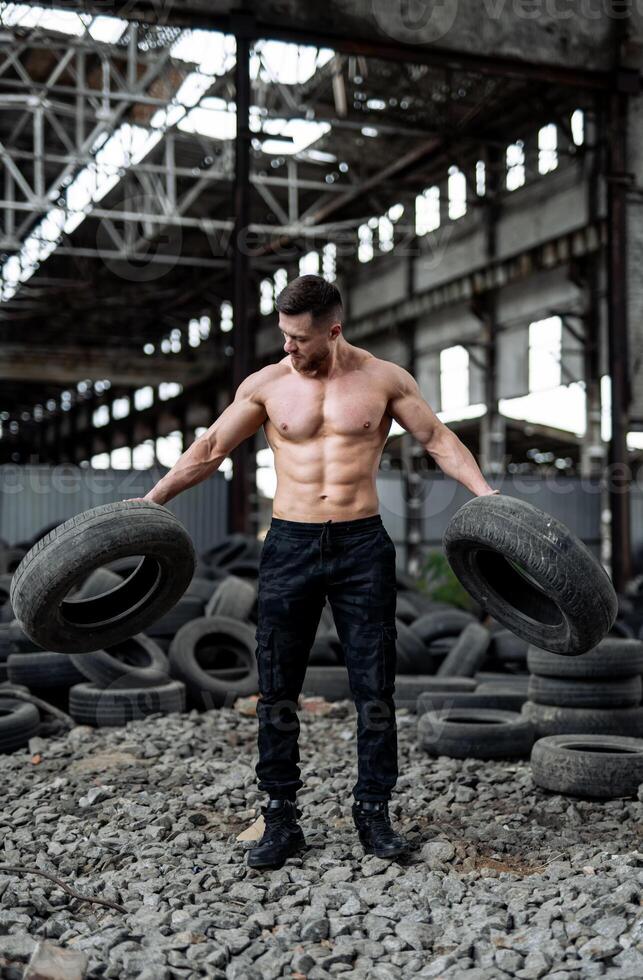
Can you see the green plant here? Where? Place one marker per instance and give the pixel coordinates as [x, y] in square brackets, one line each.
[438, 581]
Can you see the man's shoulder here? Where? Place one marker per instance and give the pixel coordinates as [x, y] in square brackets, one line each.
[254, 385]
[388, 371]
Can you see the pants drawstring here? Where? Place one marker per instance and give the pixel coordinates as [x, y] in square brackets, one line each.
[326, 533]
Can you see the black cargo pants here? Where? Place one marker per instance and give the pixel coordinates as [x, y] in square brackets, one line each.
[353, 564]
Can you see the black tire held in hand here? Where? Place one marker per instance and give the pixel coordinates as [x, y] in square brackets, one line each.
[92, 705]
[43, 532]
[138, 659]
[475, 733]
[622, 692]
[19, 722]
[69, 553]
[530, 573]
[588, 766]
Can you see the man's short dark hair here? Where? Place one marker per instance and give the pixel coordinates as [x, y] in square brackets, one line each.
[314, 295]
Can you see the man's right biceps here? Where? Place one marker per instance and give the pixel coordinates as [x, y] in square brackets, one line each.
[236, 424]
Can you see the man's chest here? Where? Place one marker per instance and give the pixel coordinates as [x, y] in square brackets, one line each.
[339, 410]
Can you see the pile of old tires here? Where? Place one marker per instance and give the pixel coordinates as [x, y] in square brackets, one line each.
[631, 604]
[506, 698]
[439, 648]
[578, 719]
[202, 652]
[603, 767]
[27, 667]
[583, 692]
[106, 687]
[596, 693]
[19, 720]
[199, 654]
[204, 648]
[471, 707]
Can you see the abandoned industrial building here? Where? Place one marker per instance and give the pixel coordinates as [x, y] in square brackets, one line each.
[321, 489]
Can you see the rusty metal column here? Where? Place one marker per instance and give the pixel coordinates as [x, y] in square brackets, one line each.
[413, 459]
[586, 273]
[242, 457]
[619, 471]
[493, 426]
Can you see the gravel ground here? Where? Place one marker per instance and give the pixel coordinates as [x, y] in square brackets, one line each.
[506, 880]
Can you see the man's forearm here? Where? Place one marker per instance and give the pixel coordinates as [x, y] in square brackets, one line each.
[454, 459]
[195, 465]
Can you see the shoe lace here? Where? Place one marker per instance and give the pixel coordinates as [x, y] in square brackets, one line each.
[278, 822]
[379, 820]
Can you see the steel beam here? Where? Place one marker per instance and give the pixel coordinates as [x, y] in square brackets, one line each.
[619, 474]
[243, 340]
[66, 365]
[178, 219]
[367, 47]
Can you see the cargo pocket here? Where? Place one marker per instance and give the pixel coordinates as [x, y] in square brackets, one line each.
[388, 657]
[387, 540]
[263, 636]
[268, 550]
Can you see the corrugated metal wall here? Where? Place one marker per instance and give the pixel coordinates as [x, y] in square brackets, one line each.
[575, 502]
[32, 497]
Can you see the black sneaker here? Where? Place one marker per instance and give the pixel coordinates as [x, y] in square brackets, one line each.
[282, 837]
[375, 832]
